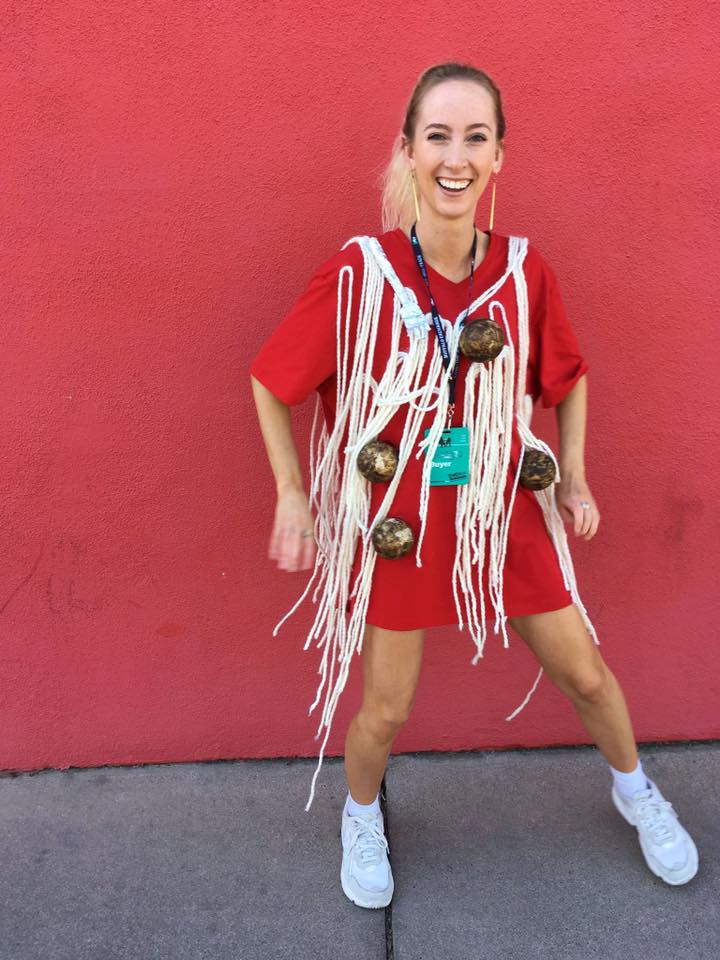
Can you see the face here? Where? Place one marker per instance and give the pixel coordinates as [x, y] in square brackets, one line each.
[455, 141]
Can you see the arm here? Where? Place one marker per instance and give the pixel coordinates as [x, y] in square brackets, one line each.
[571, 414]
[292, 513]
[571, 418]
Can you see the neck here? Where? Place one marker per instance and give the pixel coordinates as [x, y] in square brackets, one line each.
[446, 243]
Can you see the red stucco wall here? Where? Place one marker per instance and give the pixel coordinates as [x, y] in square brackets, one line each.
[171, 175]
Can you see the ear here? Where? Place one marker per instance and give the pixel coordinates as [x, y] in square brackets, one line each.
[499, 158]
[407, 148]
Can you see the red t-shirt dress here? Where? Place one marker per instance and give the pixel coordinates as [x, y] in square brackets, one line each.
[299, 357]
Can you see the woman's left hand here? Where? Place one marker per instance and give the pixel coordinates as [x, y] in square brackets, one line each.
[570, 493]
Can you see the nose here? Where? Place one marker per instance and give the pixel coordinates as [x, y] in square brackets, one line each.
[456, 157]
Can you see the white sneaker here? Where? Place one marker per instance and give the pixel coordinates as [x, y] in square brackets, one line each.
[668, 848]
[365, 873]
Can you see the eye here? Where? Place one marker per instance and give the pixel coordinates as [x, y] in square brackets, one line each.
[477, 136]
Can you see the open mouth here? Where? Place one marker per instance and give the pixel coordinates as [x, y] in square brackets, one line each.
[452, 187]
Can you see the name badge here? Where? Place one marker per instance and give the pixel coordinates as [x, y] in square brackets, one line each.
[451, 465]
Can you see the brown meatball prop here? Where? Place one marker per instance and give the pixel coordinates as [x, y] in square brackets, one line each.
[481, 340]
[392, 538]
[537, 470]
[377, 461]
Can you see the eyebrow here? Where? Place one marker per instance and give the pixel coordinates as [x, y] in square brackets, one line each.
[444, 126]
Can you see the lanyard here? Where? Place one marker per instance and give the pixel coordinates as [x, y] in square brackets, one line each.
[436, 315]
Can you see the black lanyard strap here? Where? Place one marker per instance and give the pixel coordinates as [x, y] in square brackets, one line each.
[437, 323]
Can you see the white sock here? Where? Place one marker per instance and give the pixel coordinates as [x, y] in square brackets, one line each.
[628, 783]
[358, 809]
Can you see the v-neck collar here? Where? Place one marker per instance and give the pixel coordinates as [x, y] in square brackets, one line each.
[457, 285]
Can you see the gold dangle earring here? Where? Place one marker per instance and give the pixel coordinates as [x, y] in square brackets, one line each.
[415, 196]
[492, 204]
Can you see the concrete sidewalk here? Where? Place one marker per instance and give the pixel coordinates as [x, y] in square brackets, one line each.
[513, 855]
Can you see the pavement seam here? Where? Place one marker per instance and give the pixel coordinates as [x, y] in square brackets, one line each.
[389, 941]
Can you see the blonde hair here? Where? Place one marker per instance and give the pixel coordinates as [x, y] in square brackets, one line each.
[398, 208]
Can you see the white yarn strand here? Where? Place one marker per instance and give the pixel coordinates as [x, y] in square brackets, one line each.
[546, 498]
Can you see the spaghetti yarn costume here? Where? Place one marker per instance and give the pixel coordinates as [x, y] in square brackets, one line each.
[362, 336]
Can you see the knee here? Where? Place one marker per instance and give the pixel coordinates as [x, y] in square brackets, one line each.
[590, 684]
[384, 720]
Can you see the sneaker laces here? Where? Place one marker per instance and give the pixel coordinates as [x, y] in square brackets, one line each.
[369, 839]
[653, 814]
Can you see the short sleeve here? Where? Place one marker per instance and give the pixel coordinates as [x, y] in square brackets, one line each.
[555, 363]
[301, 352]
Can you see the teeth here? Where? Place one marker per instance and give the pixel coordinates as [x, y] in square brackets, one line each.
[453, 184]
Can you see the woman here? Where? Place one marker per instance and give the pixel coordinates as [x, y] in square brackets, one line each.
[370, 334]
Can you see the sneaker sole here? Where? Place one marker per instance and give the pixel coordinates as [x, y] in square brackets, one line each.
[673, 878]
[372, 900]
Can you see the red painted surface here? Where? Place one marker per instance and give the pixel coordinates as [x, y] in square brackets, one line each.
[171, 175]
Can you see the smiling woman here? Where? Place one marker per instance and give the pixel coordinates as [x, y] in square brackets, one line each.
[451, 161]
[431, 501]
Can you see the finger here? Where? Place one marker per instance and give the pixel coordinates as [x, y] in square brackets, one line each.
[587, 519]
[281, 549]
[308, 554]
[274, 541]
[594, 525]
[292, 548]
[578, 516]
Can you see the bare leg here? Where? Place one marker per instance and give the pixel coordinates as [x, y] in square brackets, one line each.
[573, 662]
[391, 668]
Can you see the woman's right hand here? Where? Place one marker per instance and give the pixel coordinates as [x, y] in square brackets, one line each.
[287, 545]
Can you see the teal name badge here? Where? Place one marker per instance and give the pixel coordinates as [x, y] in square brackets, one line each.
[451, 466]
